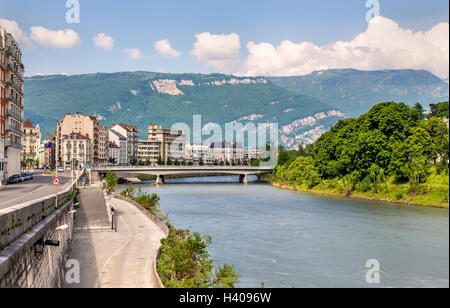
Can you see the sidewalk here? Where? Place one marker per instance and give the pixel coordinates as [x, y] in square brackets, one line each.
[125, 259]
[92, 212]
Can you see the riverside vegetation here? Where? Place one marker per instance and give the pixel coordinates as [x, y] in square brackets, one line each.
[184, 261]
[393, 152]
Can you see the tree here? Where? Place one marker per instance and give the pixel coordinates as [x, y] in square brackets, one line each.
[112, 181]
[420, 109]
[160, 161]
[201, 162]
[112, 161]
[133, 161]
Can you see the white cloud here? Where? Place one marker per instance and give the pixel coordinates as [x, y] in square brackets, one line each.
[56, 39]
[384, 45]
[104, 41]
[134, 53]
[12, 27]
[220, 51]
[164, 48]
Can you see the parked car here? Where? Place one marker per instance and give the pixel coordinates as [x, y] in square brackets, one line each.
[13, 179]
[60, 169]
[27, 176]
[22, 178]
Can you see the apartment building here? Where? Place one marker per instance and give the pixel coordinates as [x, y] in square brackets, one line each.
[103, 151]
[89, 127]
[150, 151]
[31, 142]
[227, 151]
[76, 150]
[172, 143]
[131, 134]
[114, 152]
[121, 142]
[11, 105]
[197, 152]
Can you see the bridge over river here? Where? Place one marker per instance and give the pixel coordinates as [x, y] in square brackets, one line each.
[161, 171]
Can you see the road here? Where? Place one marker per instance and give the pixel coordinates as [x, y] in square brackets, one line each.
[40, 187]
[125, 259]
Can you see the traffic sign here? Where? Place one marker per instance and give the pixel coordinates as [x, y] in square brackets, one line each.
[56, 180]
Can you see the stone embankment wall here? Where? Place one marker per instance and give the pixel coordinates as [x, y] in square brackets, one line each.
[24, 263]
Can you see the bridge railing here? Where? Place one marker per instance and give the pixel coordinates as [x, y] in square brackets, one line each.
[181, 168]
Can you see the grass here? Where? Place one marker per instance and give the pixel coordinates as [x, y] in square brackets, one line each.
[433, 193]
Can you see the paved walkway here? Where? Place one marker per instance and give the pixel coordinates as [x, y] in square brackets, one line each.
[92, 212]
[125, 259]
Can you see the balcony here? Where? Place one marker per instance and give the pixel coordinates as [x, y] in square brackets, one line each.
[15, 101]
[14, 130]
[14, 145]
[11, 52]
[15, 115]
[9, 67]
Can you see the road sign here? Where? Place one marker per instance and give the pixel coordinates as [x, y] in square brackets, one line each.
[56, 180]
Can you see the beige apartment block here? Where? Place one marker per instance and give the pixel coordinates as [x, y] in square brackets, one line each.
[11, 105]
[172, 143]
[31, 143]
[87, 126]
[150, 151]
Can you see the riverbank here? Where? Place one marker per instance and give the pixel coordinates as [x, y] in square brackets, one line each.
[408, 200]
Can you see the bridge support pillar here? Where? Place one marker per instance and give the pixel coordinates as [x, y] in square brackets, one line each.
[243, 178]
[160, 180]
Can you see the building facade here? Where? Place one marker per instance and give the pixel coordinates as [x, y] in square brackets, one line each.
[103, 151]
[121, 142]
[89, 127]
[150, 151]
[11, 105]
[31, 143]
[114, 153]
[172, 143]
[50, 152]
[76, 150]
[131, 134]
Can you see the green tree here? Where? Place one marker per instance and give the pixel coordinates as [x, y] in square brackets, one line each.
[112, 181]
[133, 161]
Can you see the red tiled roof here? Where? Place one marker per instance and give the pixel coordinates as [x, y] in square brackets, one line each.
[27, 124]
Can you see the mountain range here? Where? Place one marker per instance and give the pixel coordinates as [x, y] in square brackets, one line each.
[304, 107]
[355, 92]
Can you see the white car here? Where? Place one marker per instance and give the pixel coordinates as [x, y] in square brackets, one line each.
[60, 169]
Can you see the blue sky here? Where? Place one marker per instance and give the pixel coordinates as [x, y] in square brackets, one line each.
[141, 23]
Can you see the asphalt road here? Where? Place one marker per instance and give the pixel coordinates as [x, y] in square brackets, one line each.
[40, 187]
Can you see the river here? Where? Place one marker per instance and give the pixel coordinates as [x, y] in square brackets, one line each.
[292, 239]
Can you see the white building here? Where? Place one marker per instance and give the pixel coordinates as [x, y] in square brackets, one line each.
[122, 143]
[76, 148]
[196, 152]
[131, 134]
[114, 152]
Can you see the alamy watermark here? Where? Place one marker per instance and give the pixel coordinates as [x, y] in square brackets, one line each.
[73, 14]
[374, 271]
[73, 272]
[374, 10]
[262, 137]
